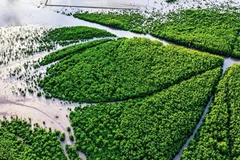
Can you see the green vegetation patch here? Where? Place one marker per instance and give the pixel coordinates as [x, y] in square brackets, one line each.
[18, 141]
[208, 30]
[126, 21]
[236, 51]
[68, 35]
[218, 137]
[154, 127]
[123, 69]
[72, 152]
[69, 51]
[13, 148]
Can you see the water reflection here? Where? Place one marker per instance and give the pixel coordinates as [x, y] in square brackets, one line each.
[102, 3]
[25, 12]
[12, 20]
[14, 12]
[228, 62]
[10, 17]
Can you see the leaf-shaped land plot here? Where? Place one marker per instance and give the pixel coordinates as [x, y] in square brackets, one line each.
[154, 127]
[218, 137]
[68, 35]
[70, 51]
[123, 69]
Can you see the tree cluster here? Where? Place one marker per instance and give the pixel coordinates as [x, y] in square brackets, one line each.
[218, 137]
[72, 152]
[69, 51]
[68, 35]
[24, 143]
[124, 69]
[209, 30]
[154, 127]
[131, 21]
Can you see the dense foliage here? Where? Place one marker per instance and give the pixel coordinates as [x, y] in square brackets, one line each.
[208, 30]
[123, 69]
[21, 142]
[13, 148]
[69, 51]
[126, 21]
[72, 153]
[236, 51]
[154, 127]
[67, 35]
[218, 137]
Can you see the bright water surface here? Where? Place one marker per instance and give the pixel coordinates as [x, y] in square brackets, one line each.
[28, 12]
[102, 3]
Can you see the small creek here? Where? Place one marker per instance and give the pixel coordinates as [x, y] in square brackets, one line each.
[178, 156]
[25, 12]
[228, 62]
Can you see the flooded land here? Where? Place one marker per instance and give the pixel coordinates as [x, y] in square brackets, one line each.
[24, 22]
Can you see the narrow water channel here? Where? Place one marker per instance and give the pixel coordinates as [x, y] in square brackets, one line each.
[228, 62]
[178, 156]
[14, 13]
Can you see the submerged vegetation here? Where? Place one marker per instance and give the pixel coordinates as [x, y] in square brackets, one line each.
[19, 42]
[154, 127]
[218, 137]
[149, 96]
[28, 40]
[123, 69]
